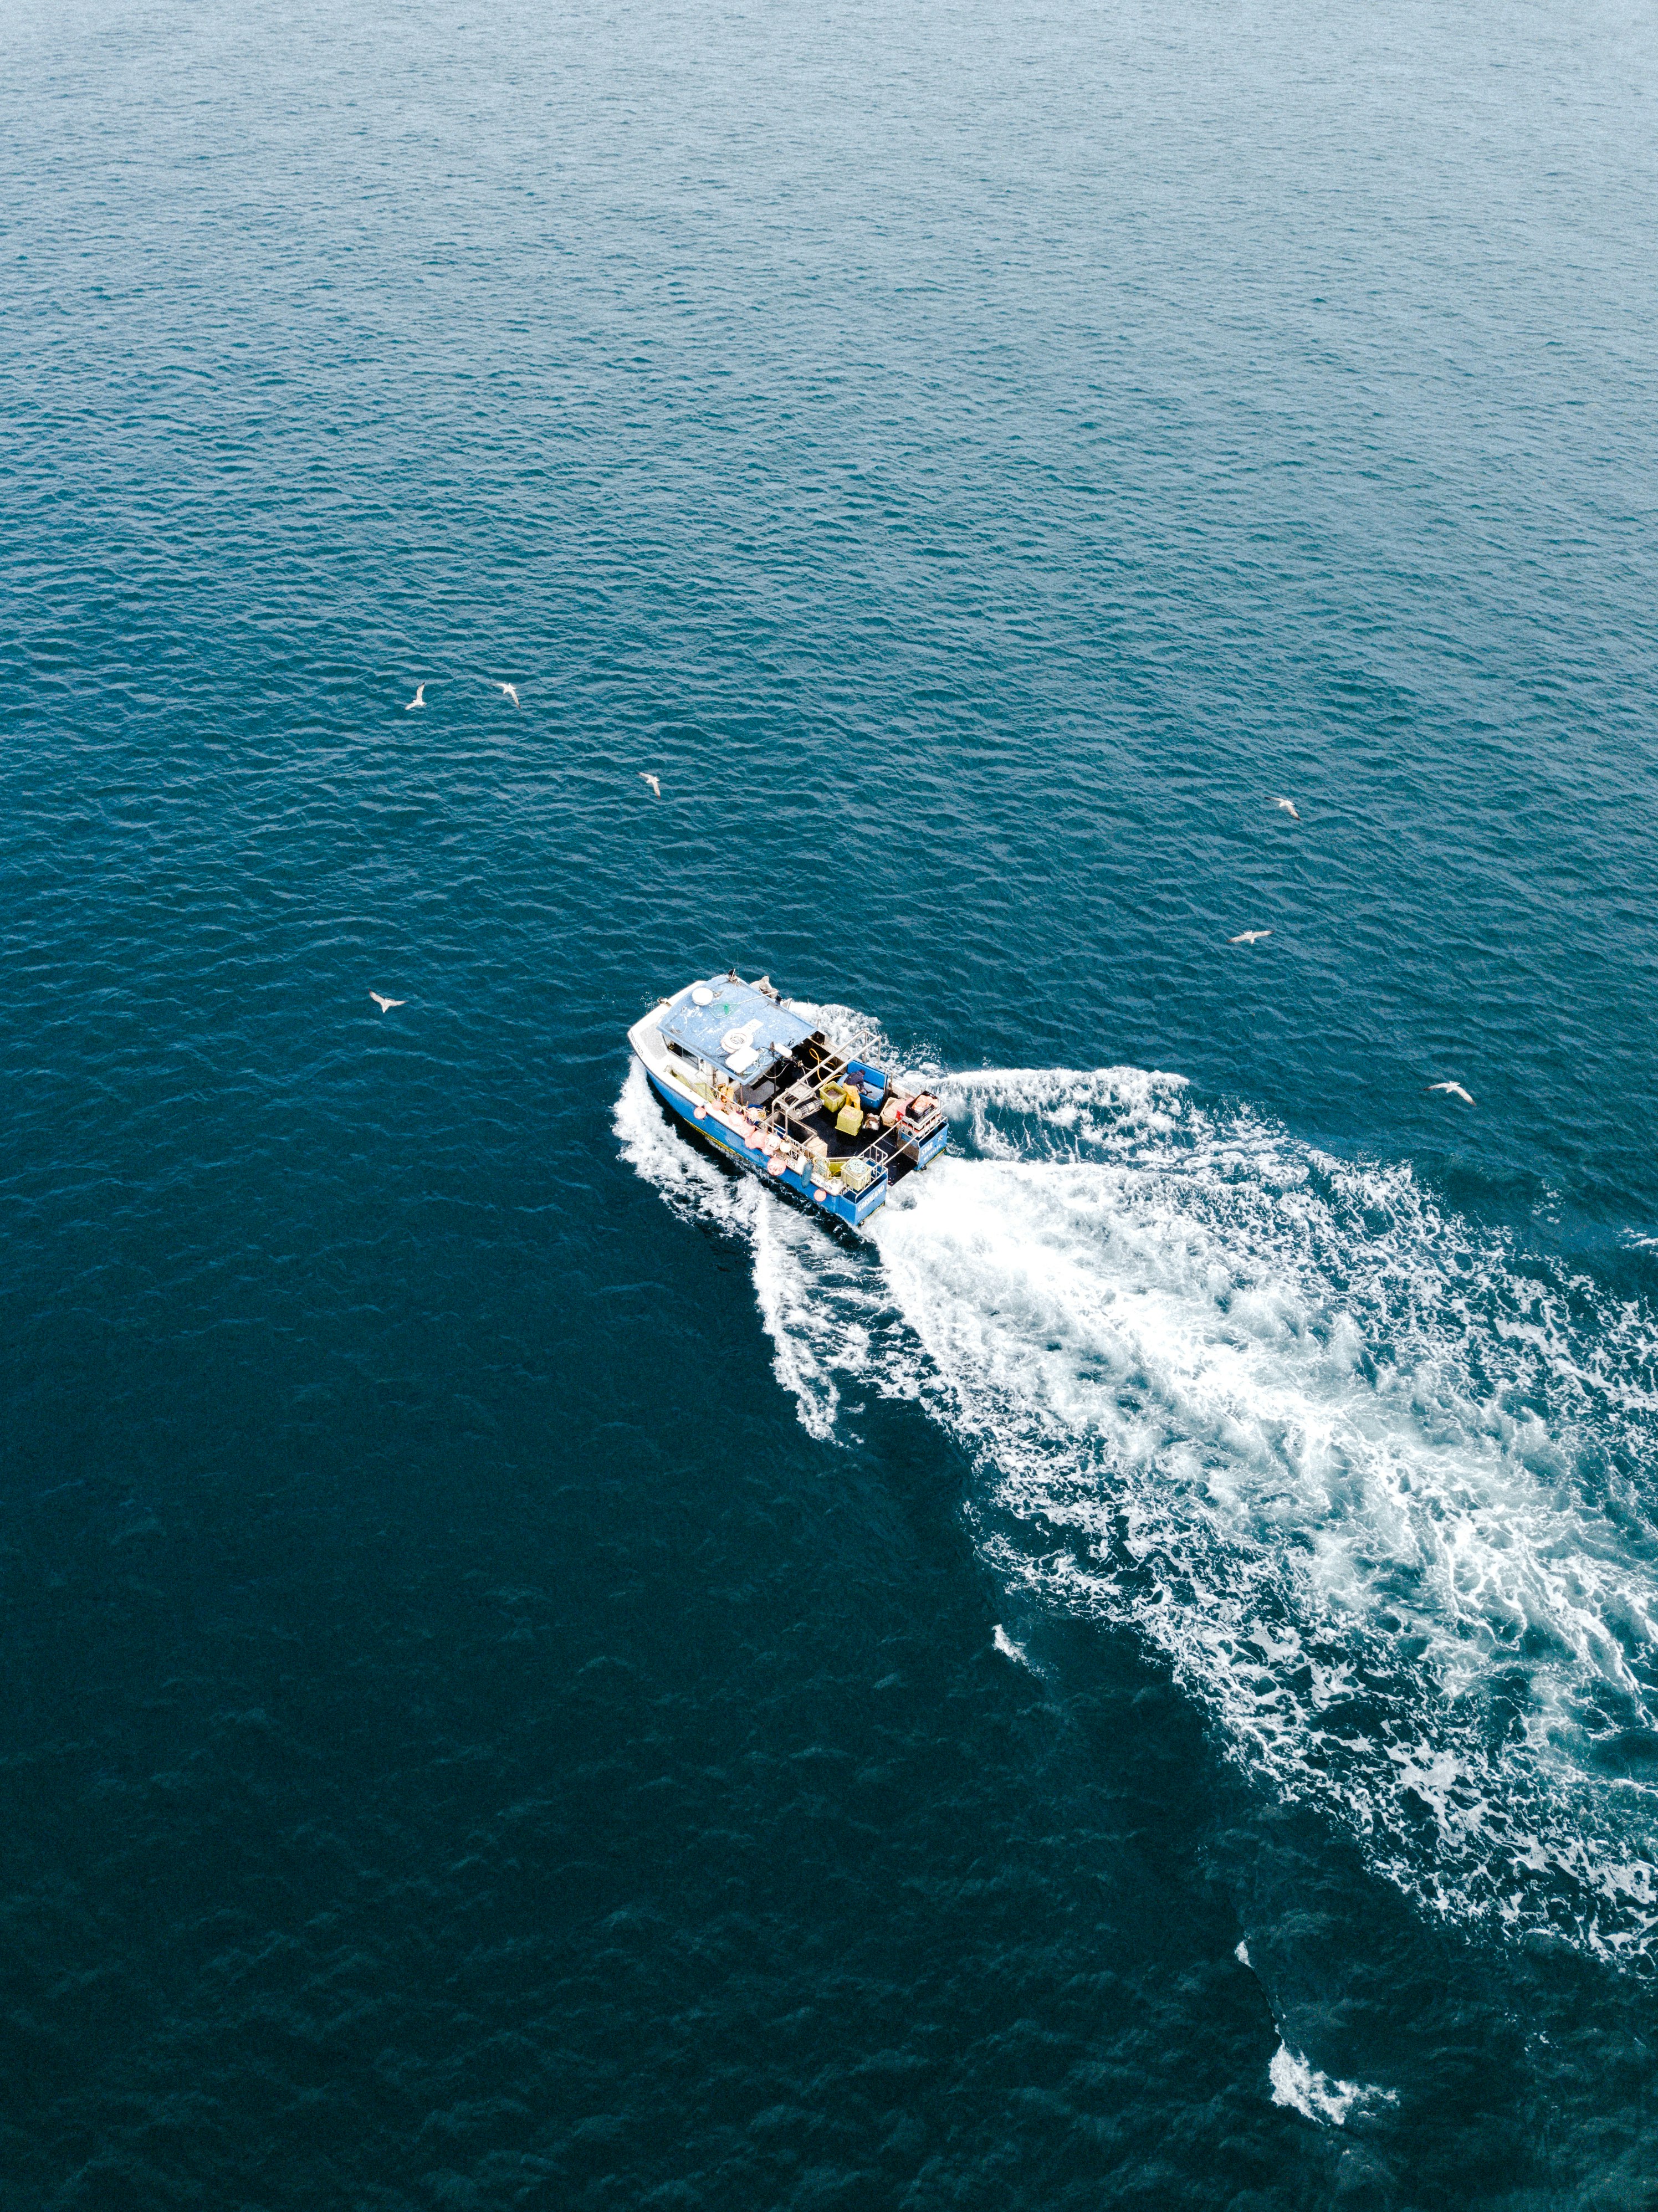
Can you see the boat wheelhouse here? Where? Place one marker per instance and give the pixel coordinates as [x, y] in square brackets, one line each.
[743, 1068]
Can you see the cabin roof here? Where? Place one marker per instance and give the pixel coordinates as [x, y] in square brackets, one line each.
[704, 1029]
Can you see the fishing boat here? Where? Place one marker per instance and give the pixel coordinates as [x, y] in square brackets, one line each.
[753, 1075]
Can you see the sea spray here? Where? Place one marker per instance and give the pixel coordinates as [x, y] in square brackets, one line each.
[1373, 1488]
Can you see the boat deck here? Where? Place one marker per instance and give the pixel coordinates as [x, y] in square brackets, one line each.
[795, 1108]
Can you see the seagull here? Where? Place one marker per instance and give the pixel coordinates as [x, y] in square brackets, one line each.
[419, 699]
[655, 782]
[1250, 937]
[510, 691]
[1289, 807]
[386, 1005]
[1455, 1089]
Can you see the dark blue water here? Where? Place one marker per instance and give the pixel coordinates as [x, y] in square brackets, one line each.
[535, 1676]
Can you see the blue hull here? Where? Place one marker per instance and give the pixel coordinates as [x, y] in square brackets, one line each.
[852, 1211]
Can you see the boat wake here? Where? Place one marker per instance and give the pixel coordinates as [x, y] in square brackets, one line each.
[1376, 1487]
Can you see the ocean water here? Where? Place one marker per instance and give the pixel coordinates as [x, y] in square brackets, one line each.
[535, 1675]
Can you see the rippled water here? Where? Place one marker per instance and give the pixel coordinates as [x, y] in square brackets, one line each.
[1134, 1682]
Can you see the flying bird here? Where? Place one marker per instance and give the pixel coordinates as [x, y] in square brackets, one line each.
[1250, 937]
[1454, 1089]
[386, 1005]
[419, 699]
[1289, 807]
[510, 691]
[655, 782]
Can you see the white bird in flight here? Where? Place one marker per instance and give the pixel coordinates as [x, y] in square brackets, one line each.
[655, 782]
[510, 691]
[1250, 937]
[1289, 807]
[419, 699]
[386, 1005]
[1455, 1089]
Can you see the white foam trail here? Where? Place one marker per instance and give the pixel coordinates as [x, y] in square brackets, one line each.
[1373, 1486]
[1295, 2084]
[815, 1298]
[1009, 1649]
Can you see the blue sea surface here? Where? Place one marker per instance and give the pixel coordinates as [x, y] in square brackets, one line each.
[536, 1675]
